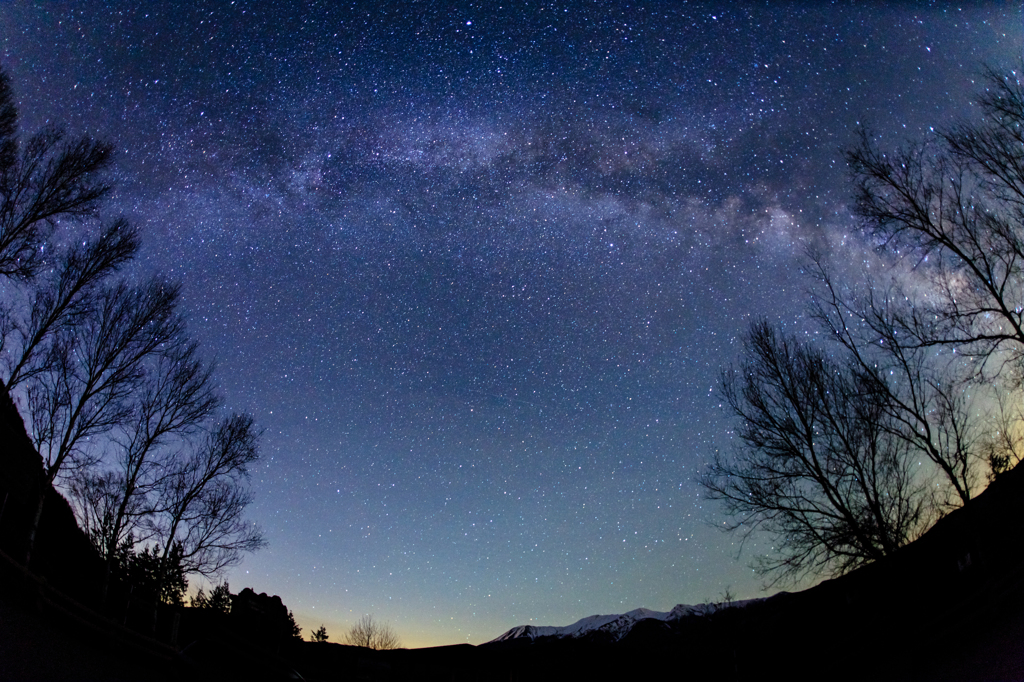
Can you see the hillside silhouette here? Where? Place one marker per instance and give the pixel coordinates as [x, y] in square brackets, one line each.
[949, 605]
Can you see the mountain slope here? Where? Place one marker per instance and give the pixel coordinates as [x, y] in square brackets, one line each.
[614, 627]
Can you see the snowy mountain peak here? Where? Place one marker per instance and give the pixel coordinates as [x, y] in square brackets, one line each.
[616, 626]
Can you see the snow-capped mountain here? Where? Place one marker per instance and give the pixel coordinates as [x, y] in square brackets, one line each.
[615, 626]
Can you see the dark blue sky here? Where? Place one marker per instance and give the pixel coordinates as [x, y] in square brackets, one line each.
[475, 269]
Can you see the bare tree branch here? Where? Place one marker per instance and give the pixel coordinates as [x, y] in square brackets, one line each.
[52, 178]
[957, 208]
[816, 467]
[372, 634]
[93, 370]
[203, 497]
[922, 390]
[60, 302]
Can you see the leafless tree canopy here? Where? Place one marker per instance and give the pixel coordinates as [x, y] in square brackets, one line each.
[62, 298]
[1004, 447]
[849, 450]
[115, 394]
[373, 635]
[95, 369]
[47, 179]
[174, 400]
[957, 207]
[203, 496]
[817, 465]
[924, 394]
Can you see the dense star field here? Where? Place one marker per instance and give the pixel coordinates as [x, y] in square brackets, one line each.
[475, 269]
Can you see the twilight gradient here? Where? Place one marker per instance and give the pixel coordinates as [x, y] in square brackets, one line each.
[475, 269]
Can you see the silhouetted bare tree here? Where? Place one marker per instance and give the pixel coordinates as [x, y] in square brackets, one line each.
[373, 635]
[957, 208]
[50, 178]
[827, 435]
[96, 505]
[922, 390]
[174, 399]
[93, 372]
[818, 465]
[66, 294]
[118, 402]
[1004, 447]
[202, 499]
[203, 495]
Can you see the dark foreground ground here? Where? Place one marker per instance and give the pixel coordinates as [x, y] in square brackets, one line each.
[919, 618]
[949, 606]
[38, 642]
[34, 646]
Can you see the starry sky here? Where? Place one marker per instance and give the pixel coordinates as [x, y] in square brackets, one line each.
[475, 268]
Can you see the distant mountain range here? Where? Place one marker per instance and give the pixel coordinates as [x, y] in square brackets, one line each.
[615, 627]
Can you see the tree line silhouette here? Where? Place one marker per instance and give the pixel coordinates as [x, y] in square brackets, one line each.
[121, 407]
[113, 391]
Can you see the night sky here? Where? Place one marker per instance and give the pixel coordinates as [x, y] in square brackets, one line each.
[475, 269]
